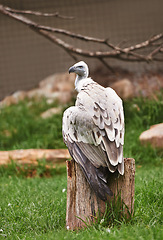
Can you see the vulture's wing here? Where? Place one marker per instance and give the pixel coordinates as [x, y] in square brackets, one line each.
[93, 130]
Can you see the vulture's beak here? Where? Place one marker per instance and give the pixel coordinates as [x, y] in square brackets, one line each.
[72, 69]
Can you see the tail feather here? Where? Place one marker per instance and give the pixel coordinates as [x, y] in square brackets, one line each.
[97, 177]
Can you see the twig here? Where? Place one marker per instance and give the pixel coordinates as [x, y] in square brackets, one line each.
[36, 13]
[71, 34]
[155, 51]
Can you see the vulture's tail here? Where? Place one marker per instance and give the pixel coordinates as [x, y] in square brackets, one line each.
[97, 177]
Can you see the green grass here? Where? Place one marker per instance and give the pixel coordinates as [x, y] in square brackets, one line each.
[21, 126]
[35, 208]
[32, 206]
[140, 114]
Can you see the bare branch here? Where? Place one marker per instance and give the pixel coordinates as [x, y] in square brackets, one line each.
[71, 34]
[155, 51]
[36, 13]
[124, 54]
[146, 43]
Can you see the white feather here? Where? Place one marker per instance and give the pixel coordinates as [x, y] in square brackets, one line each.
[97, 119]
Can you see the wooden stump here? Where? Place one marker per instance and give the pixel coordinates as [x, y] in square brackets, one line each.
[82, 203]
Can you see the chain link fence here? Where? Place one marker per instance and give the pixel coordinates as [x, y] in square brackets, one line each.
[26, 58]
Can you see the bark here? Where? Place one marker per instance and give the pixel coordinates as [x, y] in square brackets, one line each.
[83, 206]
[31, 156]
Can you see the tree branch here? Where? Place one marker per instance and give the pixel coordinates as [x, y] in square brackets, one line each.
[36, 13]
[124, 54]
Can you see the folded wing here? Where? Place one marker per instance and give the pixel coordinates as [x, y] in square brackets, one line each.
[93, 130]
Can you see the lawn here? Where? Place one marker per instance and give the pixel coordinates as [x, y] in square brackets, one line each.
[35, 208]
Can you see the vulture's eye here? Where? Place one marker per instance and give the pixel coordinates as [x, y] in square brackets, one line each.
[80, 66]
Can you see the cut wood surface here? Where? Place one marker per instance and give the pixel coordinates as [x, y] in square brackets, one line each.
[31, 156]
[82, 203]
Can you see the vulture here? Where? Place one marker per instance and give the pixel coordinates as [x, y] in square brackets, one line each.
[93, 131]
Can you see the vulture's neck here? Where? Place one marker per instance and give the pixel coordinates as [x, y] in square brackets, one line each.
[81, 81]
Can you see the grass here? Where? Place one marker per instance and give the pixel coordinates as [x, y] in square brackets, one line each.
[22, 127]
[140, 114]
[35, 208]
[34, 205]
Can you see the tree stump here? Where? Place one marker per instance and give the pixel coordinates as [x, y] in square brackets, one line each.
[82, 203]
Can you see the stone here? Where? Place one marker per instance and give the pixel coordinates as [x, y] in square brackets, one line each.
[19, 95]
[50, 112]
[61, 82]
[37, 92]
[59, 87]
[65, 97]
[153, 136]
[124, 88]
[13, 99]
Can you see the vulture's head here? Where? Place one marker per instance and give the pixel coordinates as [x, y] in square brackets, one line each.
[80, 68]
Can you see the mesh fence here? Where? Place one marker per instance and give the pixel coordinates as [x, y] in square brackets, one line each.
[26, 58]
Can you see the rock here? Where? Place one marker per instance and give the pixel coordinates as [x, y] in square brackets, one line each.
[19, 95]
[65, 97]
[48, 82]
[7, 101]
[124, 88]
[58, 82]
[13, 99]
[50, 112]
[31, 156]
[49, 101]
[58, 87]
[37, 92]
[154, 136]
